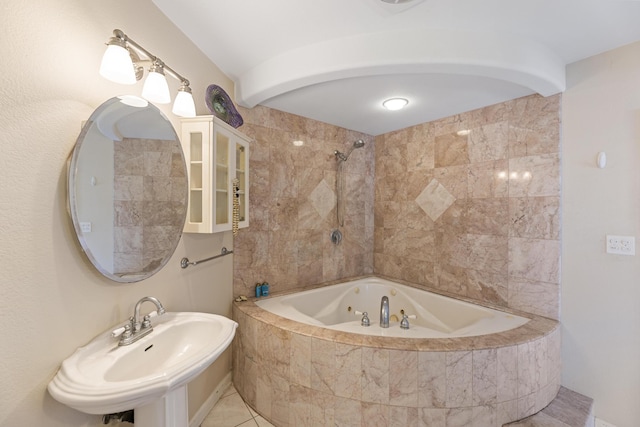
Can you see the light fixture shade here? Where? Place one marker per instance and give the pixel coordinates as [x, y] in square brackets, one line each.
[184, 106]
[117, 65]
[156, 89]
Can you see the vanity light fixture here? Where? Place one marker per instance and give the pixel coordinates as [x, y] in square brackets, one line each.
[121, 64]
[395, 103]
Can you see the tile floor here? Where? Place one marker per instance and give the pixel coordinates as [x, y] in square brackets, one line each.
[569, 409]
[231, 411]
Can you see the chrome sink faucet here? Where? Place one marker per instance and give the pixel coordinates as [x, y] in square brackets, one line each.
[134, 330]
[136, 312]
[384, 312]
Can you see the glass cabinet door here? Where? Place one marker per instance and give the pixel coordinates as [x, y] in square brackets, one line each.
[222, 180]
[242, 165]
[197, 151]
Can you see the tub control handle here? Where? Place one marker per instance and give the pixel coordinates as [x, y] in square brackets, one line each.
[365, 317]
[404, 323]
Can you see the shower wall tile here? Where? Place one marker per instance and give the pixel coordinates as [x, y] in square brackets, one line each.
[488, 216]
[535, 297]
[535, 217]
[293, 203]
[534, 259]
[451, 149]
[489, 142]
[496, 238]
[533, 176]
[488, 179]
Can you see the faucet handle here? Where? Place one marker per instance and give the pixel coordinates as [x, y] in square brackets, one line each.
[146, 322]
[365, 317]
[404, 323]
[127, 331]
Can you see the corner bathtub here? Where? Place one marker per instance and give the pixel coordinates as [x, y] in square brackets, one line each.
[338, 306]
[303, 359]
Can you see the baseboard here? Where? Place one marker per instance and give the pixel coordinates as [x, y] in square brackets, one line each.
[211, 401]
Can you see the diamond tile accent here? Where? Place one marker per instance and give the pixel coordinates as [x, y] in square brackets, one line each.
[435, 199]
[323, 199]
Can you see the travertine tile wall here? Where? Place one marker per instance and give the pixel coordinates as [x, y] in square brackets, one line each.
[293, 204]
[149, 184]
[470, 204]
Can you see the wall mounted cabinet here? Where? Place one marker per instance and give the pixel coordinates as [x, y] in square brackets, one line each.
[215, 154]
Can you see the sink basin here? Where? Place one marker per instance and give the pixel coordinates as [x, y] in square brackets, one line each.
[104, 378]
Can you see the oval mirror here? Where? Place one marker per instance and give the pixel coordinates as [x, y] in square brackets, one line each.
[128, 189]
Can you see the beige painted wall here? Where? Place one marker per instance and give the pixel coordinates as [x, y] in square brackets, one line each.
[601, 292]
[52, 300]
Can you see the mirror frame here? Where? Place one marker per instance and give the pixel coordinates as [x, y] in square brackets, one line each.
[72, 184]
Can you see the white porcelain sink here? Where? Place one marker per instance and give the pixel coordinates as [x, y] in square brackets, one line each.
[104, 378]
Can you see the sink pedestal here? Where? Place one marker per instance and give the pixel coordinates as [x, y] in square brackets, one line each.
[170, 410]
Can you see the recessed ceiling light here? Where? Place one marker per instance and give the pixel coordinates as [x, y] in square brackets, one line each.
[396, 1]
[395, 103]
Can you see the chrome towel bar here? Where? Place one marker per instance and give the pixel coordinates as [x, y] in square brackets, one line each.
[184, 263]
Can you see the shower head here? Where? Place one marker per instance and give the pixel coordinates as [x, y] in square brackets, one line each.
[342, 156]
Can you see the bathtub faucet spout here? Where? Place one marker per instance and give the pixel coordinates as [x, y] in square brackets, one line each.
[384, 312]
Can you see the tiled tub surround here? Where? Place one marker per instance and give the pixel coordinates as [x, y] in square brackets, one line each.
[301, 375]
[470, 205]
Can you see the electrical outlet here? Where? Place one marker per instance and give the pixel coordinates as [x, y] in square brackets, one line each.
[602, 423]
[85, 227]
[621, 245]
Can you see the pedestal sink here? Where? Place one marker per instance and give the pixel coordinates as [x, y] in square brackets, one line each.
[150, 375]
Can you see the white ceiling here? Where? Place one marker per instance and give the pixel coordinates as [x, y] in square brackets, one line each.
[337, 60]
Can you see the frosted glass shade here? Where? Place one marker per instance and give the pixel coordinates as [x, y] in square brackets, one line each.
[156, 89]
[117, 65]
[184, 106]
